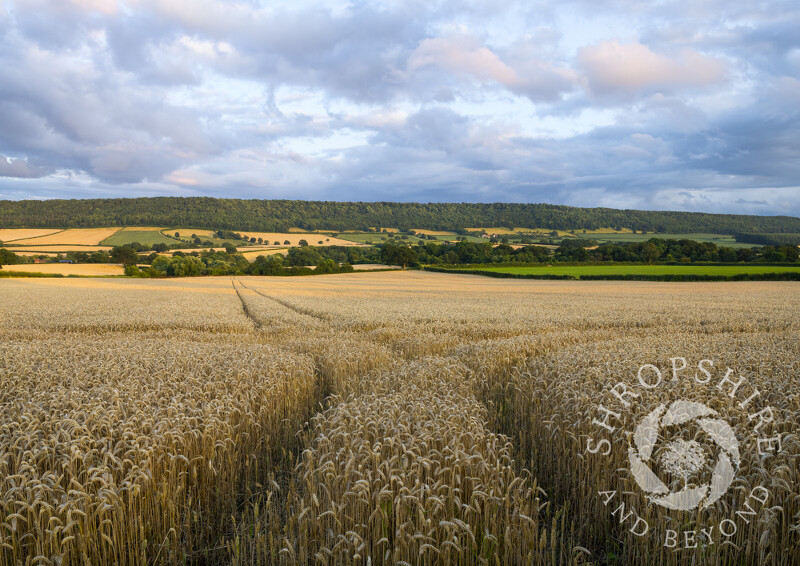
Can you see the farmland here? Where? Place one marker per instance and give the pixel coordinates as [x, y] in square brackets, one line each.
[633, 269]
[54, 249]
[12, 234]
[726, 240]
[293, 238]
[144, 236]
[81, 270]
[382, 418]
[74, 237]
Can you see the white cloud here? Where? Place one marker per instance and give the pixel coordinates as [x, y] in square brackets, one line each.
[627, 70]
[106, 7]
[464, 56]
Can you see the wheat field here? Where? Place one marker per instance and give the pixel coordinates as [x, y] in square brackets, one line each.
[387, 418]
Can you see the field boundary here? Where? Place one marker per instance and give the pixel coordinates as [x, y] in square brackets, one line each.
[782, 276]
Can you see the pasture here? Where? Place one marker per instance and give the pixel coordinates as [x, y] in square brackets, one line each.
[725, 240]
[145, 236]
[399, 417]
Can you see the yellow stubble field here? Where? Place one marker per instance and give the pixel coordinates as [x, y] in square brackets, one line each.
[294, 239]
[14, 234]
[72, 236]
[80, 269]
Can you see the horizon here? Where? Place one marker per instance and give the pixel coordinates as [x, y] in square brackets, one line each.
[540, 203]
[668, 107]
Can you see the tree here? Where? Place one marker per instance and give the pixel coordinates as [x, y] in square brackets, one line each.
[100, 256]
[132, 271]
[267, 265]
[161, 264]
[303, 243]
[402, 255]
[8, 257]
[78, 257]
[650, 252]
[574, 249]
[327, 266]
[187, 266]
[229, 249]
[306, 255]
[125, 255]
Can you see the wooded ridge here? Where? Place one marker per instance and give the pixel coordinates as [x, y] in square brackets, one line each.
[280, 215]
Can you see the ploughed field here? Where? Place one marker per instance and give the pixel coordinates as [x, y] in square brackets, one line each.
[393, 418]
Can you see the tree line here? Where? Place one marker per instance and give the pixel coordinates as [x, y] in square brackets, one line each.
[280, 215]
[768, 239]
[578, 250]
[306, 260]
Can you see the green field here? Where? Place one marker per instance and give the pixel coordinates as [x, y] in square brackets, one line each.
[719, 239]
[144, 237]
[624, 269]
[150, 237]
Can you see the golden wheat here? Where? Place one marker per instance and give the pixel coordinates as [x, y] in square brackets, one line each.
[164, 422]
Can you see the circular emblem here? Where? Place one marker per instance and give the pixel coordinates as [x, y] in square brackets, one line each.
[683, 458]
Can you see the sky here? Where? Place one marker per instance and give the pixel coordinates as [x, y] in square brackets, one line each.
[660, 105]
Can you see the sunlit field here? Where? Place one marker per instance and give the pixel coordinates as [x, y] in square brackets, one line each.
[13, 234]
[388, 418]
[77, 269]
[72, 236]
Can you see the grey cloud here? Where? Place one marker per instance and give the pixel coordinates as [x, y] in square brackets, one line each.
[188, 98]
[20, 168]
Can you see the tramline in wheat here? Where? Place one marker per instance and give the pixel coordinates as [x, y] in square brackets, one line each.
[388, 418]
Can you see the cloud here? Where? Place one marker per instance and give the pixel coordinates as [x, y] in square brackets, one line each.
[466, 58]
[106, 7]
[626, 70]
[463, 56]
[20, 168]
[628, 104]
[751, 202]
